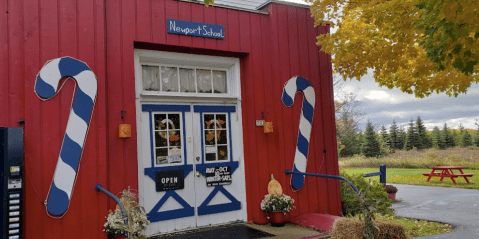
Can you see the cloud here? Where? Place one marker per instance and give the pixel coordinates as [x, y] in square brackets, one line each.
[382, 106]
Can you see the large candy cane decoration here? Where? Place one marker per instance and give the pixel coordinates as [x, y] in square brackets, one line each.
[46, 85]
[292, 86]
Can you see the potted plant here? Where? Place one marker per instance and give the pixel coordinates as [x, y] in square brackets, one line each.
[276, 204]
[391, 190]
[277, 207]
[137, 221]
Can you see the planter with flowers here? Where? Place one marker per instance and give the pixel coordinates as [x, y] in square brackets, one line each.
[276, 204]
[391, 190]
[137, 221]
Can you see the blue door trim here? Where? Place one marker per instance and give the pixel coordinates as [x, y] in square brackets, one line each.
[186, 211]
[151, 172]
[204, 209]
[214, 108]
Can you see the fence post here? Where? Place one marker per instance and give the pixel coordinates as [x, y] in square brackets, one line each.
[382, 170]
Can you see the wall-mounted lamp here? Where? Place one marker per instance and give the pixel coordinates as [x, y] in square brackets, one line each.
[268, 127]
[124, 131]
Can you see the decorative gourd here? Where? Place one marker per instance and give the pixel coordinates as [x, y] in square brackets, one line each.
[274, 187]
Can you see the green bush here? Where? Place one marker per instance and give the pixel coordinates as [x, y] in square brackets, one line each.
[374, 192]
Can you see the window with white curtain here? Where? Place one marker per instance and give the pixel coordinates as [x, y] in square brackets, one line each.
[183, 79]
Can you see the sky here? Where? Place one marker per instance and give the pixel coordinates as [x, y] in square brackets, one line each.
[381, 106]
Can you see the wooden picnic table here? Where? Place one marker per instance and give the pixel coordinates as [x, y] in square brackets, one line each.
[446, 172]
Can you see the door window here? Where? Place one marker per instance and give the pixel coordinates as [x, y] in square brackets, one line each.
[168, 141]
[215, 135]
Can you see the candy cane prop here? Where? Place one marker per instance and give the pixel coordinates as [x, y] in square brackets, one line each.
[46, 85]
[292, 86]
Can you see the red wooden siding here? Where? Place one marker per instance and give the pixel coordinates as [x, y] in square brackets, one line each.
[103, 33]
[34, 32]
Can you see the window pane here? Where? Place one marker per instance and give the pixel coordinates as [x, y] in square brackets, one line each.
[219, 81]
[160, 139]
[187, 80]
[175, 138]
[161, 156]
[174, 119]
[210, 153]
[221, 137]
[222, 152]
[160, 122]
[204, 81]
[150, 78]
[175, 155]
[209, 119]
[169, 79]
[221, 119]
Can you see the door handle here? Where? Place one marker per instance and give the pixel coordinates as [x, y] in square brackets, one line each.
[198, 174]
[198, 158]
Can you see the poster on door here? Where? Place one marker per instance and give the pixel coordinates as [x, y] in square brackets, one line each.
[216, 176]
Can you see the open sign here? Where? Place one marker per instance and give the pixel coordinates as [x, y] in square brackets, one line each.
[170, 180]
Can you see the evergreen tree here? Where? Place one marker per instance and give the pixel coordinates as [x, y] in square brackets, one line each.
[384, 136]
[447, 136]
[394, 135]
[466, 139]
[437, 139]
[384, 142]
[411, 137]
[370, 146]
[423, 142]
[402, 137]
[457, 134]
[476, 138]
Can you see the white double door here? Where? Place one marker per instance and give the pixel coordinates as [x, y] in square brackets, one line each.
[191, 170]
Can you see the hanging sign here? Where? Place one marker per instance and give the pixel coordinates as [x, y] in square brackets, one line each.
[216, 176]
[170, 180]
[195, 29]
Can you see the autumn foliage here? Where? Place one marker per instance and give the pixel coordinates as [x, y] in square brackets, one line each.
[418, 46]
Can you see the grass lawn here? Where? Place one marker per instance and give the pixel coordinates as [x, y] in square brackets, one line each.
[415, 177]
[419, 228]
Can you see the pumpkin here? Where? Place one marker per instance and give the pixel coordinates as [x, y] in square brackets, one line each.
[274, 187]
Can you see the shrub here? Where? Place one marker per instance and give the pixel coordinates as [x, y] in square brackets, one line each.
[375, 195]
[431, 155]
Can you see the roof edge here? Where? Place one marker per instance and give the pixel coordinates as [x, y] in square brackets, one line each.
[283, 3]
[228, 7]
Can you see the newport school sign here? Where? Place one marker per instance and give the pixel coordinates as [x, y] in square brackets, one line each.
[195, 29]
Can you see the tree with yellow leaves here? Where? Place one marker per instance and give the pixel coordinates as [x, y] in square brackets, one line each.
[418, 46]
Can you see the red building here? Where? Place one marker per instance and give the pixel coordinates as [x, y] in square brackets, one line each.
[193, 82]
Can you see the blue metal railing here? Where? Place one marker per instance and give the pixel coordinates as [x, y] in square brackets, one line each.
[326, 176]
[381, 174]
[98, 187]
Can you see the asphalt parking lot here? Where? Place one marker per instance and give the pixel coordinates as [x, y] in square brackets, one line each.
[455, 206]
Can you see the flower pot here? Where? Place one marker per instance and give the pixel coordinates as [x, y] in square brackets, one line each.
[392, 196]
[278, 219]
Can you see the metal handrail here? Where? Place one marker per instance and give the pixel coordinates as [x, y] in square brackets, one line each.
[98, 187]
[326, 176]
[381, 174]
